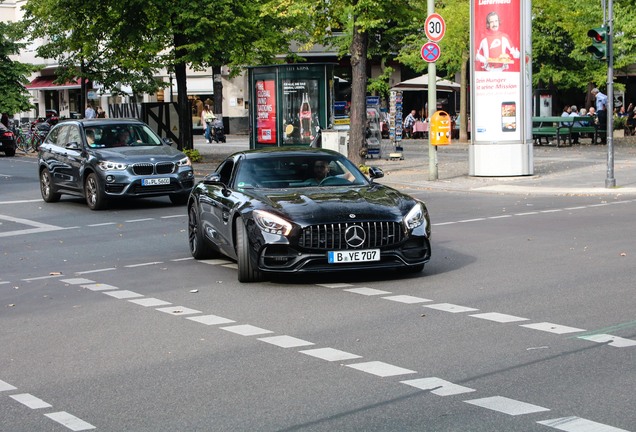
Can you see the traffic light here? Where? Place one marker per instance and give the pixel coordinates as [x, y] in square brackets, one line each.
[599, 42]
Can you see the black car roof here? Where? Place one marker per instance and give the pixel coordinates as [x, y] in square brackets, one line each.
[102, 121]
[275, 152]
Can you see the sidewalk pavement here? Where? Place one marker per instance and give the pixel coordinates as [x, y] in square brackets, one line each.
[578, 170]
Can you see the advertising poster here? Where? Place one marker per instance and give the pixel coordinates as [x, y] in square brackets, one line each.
[266, 112]
[497, 70]
[300, 109]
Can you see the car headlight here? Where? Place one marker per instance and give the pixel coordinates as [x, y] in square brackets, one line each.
[184, 162]
[415, 217]
[112, 166]
[270, 223]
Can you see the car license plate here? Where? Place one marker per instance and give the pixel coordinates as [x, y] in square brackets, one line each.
[352, 256]
[155, 181]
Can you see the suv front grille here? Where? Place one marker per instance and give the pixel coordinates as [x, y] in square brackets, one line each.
[332, 236]
[150, 169]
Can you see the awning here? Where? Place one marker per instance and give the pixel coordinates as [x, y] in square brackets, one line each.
[46, 83]
[421, 83]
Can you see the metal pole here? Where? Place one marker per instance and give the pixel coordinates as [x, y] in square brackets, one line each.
[610, 181]
[432, 106]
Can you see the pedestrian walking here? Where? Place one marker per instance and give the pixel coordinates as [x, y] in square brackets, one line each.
[208, 117]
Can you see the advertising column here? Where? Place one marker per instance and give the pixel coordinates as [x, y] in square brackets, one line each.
[501, 88]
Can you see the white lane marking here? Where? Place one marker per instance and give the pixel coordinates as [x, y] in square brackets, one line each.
[173, 216]
[182, 259]
[122, 294]
[215, 261]
[380, 369]
[37, 226]
[471, 220]
[552, 328]
[4, 282]
[43, 277]
[102, 224]
[578, 424]
[99, 287]
[551, 211]
[443, 223]
[335, 285]
[506, 405]
[139, 220]
[246, 330]
[615, 341]
[77, 281]
[499, 317]
[367, 291]
[211, 320]
[21, 201]
[70, 421]
[330, 354]
[5, 386]
[96, 271]
[438, 386]
[30, 401]
[527, 213]
[143, 264]
[406, 299]
[150, 302]
[500, 217]
[575, 208]
[178, 310]
[449, 307]
[285, 341]
[231, 266]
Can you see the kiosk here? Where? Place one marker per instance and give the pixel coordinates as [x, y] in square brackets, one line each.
[290, 103]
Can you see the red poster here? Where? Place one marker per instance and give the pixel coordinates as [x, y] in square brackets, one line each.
[497, 35]
[266, 112]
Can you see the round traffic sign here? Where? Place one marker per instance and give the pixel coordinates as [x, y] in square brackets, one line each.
[435, 27]
[430, 52]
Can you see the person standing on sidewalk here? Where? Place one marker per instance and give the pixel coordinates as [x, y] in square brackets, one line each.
[409, 122]
[600, 99]
[208, 117]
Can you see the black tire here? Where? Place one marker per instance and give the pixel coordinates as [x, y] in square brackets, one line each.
[47, 189]
[10, 152]
[179, 199]
[199, 247]
[95, 195]
[246, 270]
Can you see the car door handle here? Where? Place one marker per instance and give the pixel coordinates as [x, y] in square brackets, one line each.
[226, 216]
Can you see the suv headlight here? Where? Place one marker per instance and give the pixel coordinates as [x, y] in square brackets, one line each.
[184, 162]
[270, 223]
[415, 217]
[112, 166]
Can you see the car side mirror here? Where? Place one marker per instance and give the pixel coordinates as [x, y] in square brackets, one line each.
[74, 145]
[375, 173]
[169, 142]
[215, 179]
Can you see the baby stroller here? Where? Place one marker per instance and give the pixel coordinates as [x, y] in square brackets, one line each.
[218, 132]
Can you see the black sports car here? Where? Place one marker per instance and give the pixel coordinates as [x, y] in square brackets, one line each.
[285, 210]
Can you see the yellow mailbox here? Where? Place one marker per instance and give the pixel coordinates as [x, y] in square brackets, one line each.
[440, 129]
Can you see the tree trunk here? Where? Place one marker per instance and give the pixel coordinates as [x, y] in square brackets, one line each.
[357, 131]
[218, 90]
[185, 112]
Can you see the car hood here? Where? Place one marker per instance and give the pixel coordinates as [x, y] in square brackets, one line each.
[138, 153]
[308, 206]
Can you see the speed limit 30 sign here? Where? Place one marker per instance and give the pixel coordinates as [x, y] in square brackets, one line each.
[435, 27]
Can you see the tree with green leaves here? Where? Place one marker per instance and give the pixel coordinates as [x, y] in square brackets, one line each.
[14, 96]
[359, 28]
[126, 42]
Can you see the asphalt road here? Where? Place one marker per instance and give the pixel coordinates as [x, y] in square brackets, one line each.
[523, 321]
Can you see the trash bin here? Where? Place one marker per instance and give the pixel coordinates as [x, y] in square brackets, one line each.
[440, 129]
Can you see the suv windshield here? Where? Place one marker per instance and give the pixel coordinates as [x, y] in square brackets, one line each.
[120, 135]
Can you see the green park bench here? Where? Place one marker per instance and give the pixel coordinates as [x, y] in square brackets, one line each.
[552, 126]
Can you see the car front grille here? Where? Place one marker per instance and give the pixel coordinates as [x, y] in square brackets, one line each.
[150, 169]
[333, 236]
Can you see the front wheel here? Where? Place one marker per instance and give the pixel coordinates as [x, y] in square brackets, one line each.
[95, 195]
[46, 187]
[199, 247]
[247, 272]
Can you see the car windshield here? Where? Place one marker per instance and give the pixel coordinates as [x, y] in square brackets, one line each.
[297, 172]
[120, 135]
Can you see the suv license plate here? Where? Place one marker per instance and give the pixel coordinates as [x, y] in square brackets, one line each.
[155, 181]
[352, 256]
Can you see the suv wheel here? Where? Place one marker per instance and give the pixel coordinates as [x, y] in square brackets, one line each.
[95, 195]
[47, 189]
